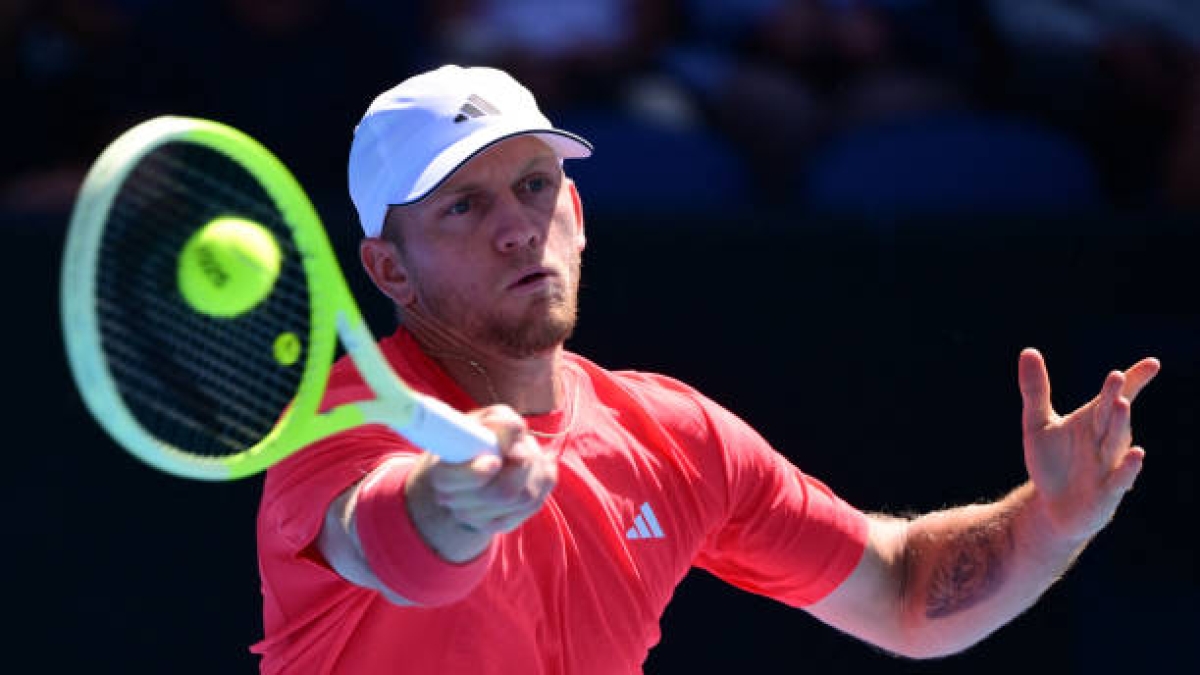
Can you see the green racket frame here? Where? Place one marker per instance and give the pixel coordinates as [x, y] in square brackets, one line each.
[334, 313]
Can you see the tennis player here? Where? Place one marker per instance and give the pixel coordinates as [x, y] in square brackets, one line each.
[560, 555]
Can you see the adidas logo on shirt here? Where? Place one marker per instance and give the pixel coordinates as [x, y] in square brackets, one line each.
[645, 525]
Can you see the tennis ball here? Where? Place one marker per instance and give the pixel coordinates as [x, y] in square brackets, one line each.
[228, 266]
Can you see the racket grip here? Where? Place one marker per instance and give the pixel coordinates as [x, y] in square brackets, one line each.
[447, 433]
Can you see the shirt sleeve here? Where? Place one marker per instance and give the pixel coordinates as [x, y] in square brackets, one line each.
[299, 588]
[785, 534]
[299, 491]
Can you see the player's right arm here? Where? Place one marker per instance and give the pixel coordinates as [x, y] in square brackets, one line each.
[456, 509]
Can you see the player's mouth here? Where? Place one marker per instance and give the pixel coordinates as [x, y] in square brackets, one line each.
[533, 279]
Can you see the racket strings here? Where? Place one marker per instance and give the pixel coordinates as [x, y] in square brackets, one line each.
[203, 385]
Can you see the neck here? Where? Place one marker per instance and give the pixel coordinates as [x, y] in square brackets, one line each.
[529, 385]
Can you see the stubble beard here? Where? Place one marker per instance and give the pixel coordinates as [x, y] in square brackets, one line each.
[542, 331]
[543, 327]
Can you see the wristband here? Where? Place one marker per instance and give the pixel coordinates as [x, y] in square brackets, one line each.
[395, 550]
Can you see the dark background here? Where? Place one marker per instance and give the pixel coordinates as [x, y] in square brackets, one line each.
[873, 340]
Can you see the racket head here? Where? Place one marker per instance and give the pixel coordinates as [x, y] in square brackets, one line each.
[190, 394]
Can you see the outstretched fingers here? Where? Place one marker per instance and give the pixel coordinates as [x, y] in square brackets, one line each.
[1113, 425]
[1034, 381]
[1102, 408]
[1138, 376]
[1117, 436]
[1122, 478]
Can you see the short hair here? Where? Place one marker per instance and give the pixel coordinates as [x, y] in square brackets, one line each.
[391, 229]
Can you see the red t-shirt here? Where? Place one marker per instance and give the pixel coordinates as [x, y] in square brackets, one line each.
[653, 480]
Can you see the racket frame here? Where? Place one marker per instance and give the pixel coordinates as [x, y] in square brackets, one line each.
[424, 421]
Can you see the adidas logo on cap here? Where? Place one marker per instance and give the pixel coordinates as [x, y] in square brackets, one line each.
[475, 106]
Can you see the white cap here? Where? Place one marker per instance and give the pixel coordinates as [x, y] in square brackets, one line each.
[414, 135]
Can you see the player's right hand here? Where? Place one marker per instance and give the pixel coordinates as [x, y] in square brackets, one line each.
[458, 507]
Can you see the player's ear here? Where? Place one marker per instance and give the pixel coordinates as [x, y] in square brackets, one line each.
[386, 267]
[577, 204]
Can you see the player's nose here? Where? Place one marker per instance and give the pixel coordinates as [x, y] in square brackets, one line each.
[516, 227]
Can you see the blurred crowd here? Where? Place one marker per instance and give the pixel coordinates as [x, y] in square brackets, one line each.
[819, 104]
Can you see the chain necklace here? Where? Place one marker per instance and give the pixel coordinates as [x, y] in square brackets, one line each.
[495, 396]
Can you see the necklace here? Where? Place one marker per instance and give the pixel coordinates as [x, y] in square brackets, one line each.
[495, 396]
[567, 426]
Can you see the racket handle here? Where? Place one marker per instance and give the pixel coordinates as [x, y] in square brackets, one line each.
[447, 433]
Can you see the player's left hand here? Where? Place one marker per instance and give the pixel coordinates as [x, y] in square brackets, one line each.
[1082, 464]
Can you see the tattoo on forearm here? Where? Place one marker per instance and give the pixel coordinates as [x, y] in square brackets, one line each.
[971, 569]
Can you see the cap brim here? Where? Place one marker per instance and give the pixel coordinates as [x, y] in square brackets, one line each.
[564, 143]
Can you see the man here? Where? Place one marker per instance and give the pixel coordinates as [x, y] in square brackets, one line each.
[559, 556]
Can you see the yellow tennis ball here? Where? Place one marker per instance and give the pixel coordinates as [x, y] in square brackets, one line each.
[228, 266]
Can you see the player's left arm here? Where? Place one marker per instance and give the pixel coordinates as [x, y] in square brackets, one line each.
[939, 583]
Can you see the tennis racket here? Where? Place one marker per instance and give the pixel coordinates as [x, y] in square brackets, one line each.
[207, 397]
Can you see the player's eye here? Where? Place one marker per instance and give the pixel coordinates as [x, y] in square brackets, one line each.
[460, 207]
[537, 184]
